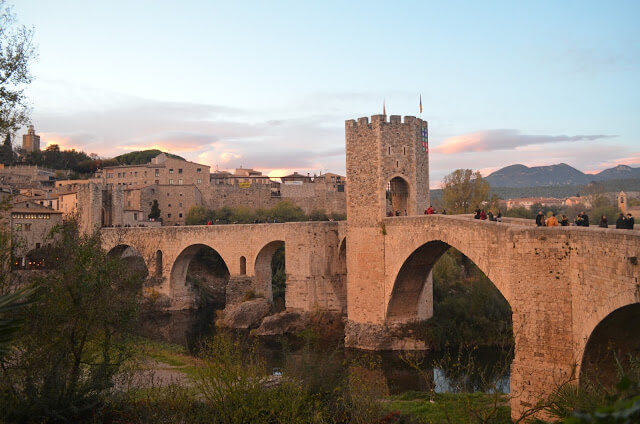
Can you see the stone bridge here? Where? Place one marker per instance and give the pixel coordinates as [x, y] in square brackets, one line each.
[560, 282]
[564, 284]
[315, 263]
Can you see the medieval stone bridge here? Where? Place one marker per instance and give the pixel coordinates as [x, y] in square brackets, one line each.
[564, 284]
[560, 282]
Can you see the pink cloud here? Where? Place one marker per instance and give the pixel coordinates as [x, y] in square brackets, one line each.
[504, 139]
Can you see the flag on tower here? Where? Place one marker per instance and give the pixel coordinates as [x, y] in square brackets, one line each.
[384, 109]
[421, 103]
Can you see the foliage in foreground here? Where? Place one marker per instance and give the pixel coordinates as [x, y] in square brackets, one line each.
[72, 345]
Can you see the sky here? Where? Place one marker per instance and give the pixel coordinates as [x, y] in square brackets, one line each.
[269, 84]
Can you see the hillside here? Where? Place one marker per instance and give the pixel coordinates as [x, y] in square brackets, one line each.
[520, 176]
[141, 157]
[558, 191]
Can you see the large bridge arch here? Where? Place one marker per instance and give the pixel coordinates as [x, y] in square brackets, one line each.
[611, 344]
[411, 258]
[180, 291]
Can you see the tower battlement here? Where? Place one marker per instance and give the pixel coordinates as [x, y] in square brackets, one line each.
[377, 120]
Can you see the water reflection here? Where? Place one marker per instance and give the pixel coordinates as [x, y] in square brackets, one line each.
[323, 362]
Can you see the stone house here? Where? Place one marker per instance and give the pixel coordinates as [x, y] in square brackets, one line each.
[31, 225]
[162, 170]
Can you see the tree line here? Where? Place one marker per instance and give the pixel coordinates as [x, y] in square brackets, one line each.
[283, 211]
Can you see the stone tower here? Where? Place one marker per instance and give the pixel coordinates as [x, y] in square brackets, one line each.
[387, 172]
[31, 141]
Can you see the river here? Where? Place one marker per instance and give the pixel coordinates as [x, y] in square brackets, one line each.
[479, 369]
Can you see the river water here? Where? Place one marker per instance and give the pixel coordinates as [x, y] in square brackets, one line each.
[478, 369]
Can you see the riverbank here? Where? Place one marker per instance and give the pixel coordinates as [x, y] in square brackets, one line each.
[170, 369]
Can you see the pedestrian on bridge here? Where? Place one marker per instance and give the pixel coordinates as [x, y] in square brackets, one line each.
[540, 219]
[603, 222]
[630, 221]
[552, 221]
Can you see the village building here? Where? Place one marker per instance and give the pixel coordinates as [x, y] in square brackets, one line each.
[31, 225]
[162, 170]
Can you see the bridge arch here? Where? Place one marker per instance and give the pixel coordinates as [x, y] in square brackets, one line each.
[263, 274]
[132, 257]
[412, 288]
[611, 342]
[182, 293]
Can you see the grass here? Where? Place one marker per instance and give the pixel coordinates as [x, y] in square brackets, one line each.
[450, 407]
[445, 408]
[176, 356]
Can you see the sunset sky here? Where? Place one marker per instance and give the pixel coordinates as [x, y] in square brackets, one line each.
[268, 84]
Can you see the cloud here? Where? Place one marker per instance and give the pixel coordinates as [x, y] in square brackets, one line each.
[504, 139]
[208, 134]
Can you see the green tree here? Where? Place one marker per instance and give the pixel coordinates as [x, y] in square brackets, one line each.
[73, 342]
[7, 156]
[16, 52]
[197, 215]
[462, 190]
[155, 210]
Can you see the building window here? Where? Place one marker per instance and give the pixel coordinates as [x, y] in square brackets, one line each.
[180, 182]
[119, 174]
[168, 215]
[179, 170]
[170, 170]
[180, 204]
[180, 215]
[135, 173]
[199, 181]
[170, 183]
[157, 172]
[199, 170]
[109, 174]
[169, 205]
[18, 227]
[135, 216]
[27, 227]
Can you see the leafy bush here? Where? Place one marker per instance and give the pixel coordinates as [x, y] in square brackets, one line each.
[73, 339]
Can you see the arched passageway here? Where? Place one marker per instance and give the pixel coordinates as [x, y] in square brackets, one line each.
[199, 277]
[397, 196]
[613, 344]
[132, 258]
[463, 312]
[411, 298]
[270, 275]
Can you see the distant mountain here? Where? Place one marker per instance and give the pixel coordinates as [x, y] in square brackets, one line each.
[620, 172]
[555, 175]
[523, 176]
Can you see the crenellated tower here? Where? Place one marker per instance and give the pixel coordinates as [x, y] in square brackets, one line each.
[387, 173]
